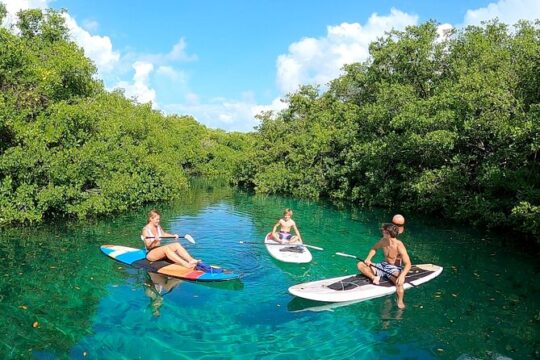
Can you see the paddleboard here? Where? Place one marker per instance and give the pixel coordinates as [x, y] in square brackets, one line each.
[291, 253]
[359, 287]
[137, 259]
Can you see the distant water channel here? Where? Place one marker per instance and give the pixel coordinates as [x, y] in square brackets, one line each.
[61, 298]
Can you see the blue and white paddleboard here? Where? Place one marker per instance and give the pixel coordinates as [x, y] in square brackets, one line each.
[137, 258]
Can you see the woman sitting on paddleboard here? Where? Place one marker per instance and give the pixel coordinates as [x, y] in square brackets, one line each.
[151, 234]
[286, 223]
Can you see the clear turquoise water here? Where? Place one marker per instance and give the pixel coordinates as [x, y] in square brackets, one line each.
[61, 298]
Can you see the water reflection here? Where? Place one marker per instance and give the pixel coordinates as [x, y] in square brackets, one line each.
[390, 312]
[88, 304]
[156, 286]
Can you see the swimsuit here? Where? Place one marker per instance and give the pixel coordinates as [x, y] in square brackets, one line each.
[388, 269]
[285, 235]
[149, 233]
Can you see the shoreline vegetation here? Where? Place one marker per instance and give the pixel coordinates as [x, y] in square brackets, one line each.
[69, 149]
[447, 125]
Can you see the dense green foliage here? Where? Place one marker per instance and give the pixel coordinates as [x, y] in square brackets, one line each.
[442, 125]
[69, 148]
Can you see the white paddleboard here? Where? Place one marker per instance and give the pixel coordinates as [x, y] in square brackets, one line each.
[291, 253]
[359, 287]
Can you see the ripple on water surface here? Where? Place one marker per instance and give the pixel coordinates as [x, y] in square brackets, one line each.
[477, 308]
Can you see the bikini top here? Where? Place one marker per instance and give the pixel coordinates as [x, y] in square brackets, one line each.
[148, 233]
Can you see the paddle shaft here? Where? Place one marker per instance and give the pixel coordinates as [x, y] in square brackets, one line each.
[375, 266]
[187, 237]
[166, 237]
[290, 244]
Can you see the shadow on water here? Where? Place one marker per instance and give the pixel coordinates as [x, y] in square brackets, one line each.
[298, 305]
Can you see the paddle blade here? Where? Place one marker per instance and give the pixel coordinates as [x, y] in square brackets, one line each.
[313, 247]
[347, 255]
[189, 238]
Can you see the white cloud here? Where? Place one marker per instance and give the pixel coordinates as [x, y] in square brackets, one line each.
[14, 6]
[139, 89]
[155, 78]
[178, 52]
[276, 106]
[443, 30]
[317, 61]
[192, 98]
[90, 25]
[221, 113]
[171, 73]
[508, 11]
[98, 48]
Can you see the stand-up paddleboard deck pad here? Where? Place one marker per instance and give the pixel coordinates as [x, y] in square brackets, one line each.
[137, 259]
[359, 287]
[291, 253]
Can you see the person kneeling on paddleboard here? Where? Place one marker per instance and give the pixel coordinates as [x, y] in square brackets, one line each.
[151, 235]
[395, 255]
[286, 223]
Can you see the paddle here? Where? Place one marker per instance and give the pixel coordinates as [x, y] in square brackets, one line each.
[187, 237]
[375, 266]
[292, 244]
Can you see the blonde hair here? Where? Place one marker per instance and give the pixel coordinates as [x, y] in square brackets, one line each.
[287, 211]
[152, 214]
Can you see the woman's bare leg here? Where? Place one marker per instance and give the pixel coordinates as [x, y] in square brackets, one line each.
[166, 252]
[179, 249]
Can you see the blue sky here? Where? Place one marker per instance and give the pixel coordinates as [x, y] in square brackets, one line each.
[225, 61]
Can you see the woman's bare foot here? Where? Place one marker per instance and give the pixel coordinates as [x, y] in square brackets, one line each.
[401, 304]
[375, 280]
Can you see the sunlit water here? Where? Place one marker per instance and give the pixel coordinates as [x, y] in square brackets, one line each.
[61, 298]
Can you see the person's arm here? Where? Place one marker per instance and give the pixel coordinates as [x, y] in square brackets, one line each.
[274, 232]
[275, 227]
[166, 234]
[149, 241]
[372, 253]
[406, 260]
[297, 232]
